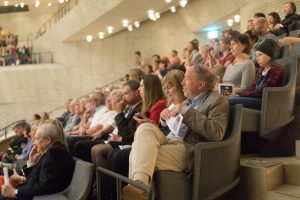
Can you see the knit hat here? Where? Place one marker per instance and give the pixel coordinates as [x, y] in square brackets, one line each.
[269, 47]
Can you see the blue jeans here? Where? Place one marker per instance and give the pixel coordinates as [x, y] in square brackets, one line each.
[247, 102]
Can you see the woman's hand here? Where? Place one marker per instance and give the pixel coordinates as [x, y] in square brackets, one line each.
[143, 119]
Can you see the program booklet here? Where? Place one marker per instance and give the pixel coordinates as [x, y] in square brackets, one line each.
[226, 89]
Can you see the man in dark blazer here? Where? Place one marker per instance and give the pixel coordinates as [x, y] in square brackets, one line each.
[125, 123]
[52, 171]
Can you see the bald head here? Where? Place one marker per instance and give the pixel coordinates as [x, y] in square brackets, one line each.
[260, 26]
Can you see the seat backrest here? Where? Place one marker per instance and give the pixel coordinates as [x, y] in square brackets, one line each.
[217, 164]
[278, 104]
[81, 182]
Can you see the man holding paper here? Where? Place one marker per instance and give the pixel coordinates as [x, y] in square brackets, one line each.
[205, 118]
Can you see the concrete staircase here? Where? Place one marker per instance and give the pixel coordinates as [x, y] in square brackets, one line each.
[269, 179]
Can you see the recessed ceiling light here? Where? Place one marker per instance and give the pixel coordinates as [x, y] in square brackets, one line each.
[109, 29]
[168, 1]
[61, 1]
[16, 5]
[173, 9]
[37, 3]
[49, 4]
[101, 35]
[237, 18]
[5, 3]
[136, 24]
[130, 27]
[183, 3]
[89, 38]
[22, 4]
[157, 15]
[125, 22]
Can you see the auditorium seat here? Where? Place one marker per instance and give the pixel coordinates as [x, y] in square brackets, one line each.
[216, 169]
[277, 109]
[80, 185]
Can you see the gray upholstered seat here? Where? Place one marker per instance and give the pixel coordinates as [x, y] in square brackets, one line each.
[216, 168]
[278, 105]
[80, 185]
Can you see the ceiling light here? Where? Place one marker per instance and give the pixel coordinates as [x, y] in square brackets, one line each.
[5, 3]
[109, 29]
[61, 1]
[157, 15]
[22, 4]
[183, 3]
[125, 22]
[37, 3]
[49, 4]
[101, 35]
[237, 18]
[230, 22]
[89, 38]
[136, 24]
[130, 27]
[16, 5]
[168, 1]
[151, 15]
[173, 9]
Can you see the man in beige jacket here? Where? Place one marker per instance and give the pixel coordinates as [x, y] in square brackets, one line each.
[205, 118]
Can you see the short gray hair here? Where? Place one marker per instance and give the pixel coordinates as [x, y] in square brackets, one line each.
[117, 95]
[202, 73]
[52, 129]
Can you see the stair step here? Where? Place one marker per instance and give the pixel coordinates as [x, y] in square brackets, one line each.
[292, 173]
[285, 192]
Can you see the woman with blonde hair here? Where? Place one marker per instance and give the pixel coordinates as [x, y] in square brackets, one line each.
[172, 86]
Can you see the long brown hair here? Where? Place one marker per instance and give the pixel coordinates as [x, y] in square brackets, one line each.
[152, 91]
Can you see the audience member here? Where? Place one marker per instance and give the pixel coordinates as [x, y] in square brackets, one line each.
[152, 150]
[289, 23]
[136, 74]
[139, 62]
[74, 119]
[269, 75]
[36, 117]
[259, 14]
[45, 116]
[260, 28]
[241, 72]
[52, 171]
[274, 23]
[250, 25]
[175, 59]
[252, 38]
[192, 52]
[226, 57]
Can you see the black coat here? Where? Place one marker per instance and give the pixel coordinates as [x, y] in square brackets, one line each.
[53, 173]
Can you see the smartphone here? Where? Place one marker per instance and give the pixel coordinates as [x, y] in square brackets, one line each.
[138, 115]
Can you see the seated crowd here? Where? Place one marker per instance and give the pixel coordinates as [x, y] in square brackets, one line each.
[124, 127]
[10, 53]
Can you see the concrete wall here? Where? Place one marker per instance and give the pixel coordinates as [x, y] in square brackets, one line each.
[26, 24]
[83, 66]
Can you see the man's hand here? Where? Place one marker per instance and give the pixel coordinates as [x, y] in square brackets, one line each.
[8, 191]
[144, 119]
[177, 109]
[165, 114]
[34, 155]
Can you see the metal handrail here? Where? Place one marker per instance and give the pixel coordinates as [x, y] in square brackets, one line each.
[38, 60]
[66, 7]
[119, 179]
[7, 127]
